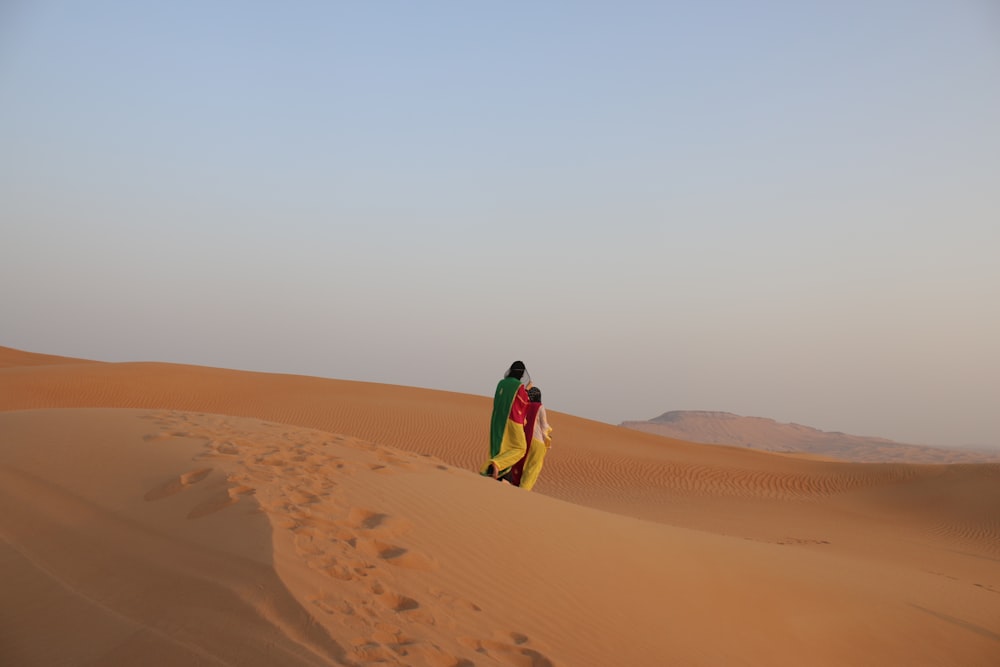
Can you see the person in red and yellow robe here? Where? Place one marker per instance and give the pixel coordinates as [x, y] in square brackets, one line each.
[538, 434]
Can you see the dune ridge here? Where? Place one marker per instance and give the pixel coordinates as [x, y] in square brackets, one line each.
[726, 428]
[336, 522]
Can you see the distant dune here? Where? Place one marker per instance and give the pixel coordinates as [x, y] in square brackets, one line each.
[159, 515]
[11, 357]
[725, 428]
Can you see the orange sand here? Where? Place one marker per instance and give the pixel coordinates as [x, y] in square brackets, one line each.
[160, 514]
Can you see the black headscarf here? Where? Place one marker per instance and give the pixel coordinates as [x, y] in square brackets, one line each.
[516, 370]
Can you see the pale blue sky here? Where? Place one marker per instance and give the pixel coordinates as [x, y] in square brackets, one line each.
[779, 209]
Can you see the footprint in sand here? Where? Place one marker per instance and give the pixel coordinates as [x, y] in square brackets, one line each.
[372, 652]
[369, 520]
[392, 460]
[224, 448]
[342, 571]
[302, 497]
[516, 653]
[177, 484]
[219, 501]
[429, 654]
[391, 599]
[415, 652]
[453, 602]
[328, 606]
[394, 555]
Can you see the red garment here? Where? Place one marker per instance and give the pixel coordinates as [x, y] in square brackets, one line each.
[530, 414]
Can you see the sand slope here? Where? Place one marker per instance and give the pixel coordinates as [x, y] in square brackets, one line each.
[163, 514]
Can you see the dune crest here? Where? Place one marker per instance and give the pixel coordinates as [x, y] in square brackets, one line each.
[11, 358]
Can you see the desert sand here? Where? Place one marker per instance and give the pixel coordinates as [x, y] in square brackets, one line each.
[158, 514]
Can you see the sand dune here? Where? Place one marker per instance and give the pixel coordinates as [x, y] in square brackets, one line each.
[10, 357]
[725, 428]
[170, 515]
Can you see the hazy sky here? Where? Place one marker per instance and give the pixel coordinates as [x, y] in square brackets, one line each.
[779, 209]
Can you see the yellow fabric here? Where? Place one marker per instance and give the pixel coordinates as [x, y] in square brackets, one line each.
[533, 464]
[512, 448]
